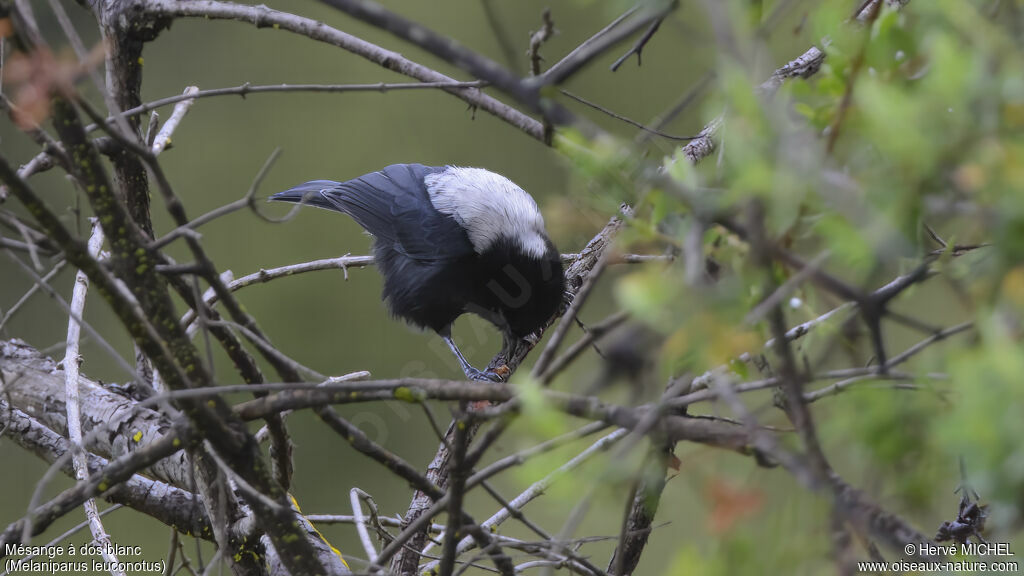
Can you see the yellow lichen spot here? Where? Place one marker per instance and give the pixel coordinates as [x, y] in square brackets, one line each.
[142, 61]
[137, 436]
[277, 26]
[406, 394]
[103, 487]
[176, 442]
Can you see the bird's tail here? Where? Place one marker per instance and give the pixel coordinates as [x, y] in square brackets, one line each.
[310, 194]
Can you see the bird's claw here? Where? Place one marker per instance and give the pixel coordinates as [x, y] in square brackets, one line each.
[485, 376]
[567, 298]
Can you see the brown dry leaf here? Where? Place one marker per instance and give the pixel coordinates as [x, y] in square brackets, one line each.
[30, 79]
[31, 106]
[34, 77]
[6, 28]
[19, 68]
[729, 504]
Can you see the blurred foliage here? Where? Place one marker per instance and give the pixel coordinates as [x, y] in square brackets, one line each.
[926, 109]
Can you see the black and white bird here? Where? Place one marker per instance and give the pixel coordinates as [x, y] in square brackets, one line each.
[451, 240]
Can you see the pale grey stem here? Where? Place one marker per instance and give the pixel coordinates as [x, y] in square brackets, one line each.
[99, 533]
[355, 496]
[163, 138]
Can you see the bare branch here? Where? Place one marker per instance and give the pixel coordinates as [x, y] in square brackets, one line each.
[548, 354]
[456, 493]
[261, 16]
[28, 294]
[638, 47]
[115, 473]
[168, 504]
[163, 138]
[71, 360]
[617, 116]
[356, 497]
[540, 487]
[510, 52]
[703, 145]
[538, 38]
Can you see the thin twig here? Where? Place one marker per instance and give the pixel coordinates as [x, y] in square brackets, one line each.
[638, 47]
[355, 497]
[538, 38]
[71, 360]
[246, 89]
[577, 348]
[851, 78]
[589, 42]
[68, 534]
[601, 42]
[548, 354]
[629, 121]
[66, 308]
[28, 294]
[816, 395]
[262, 16]
[340, 263]
[249, 200]
[456, 493]
[511, 53]
[163, 138]
[540, 487]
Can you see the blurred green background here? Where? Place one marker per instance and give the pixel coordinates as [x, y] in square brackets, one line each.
[720, 513]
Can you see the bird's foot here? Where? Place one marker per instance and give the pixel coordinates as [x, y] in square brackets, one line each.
[533, 338]
[482, 376]
[567, 298]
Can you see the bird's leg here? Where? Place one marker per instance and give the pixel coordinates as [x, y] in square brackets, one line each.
[471, 372]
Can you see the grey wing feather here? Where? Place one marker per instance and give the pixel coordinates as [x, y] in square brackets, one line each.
[393, 205]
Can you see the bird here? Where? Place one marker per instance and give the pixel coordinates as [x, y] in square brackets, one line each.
[452, 240]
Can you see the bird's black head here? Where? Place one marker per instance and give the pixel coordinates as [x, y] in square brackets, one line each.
[520, 290]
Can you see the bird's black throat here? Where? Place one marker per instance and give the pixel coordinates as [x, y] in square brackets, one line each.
[515, 291]
[518, 292]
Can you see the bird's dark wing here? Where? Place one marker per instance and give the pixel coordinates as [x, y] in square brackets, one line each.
[392, 204]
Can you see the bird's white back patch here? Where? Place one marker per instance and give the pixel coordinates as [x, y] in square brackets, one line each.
[490, 207]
